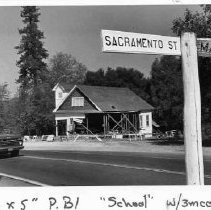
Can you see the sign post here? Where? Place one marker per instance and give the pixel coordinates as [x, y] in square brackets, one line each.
[192, 111]
[126, 42]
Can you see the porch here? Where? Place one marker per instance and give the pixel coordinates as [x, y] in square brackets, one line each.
[117, 123]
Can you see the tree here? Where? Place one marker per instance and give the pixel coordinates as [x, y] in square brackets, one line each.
[12, 118]
[38, 119]
[200, 24]
[32, 53]
[35, 103]
[4, 98]
[66, 67]
[95, 78]
[167, 92]
[120, 77]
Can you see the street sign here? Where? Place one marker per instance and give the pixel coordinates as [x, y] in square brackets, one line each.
[204, 47]
[127, 42]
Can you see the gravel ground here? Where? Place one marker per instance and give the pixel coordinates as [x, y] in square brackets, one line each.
[164, 147]
[122, 146]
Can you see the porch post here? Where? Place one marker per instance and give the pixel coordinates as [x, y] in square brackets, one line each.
[67, 126]
[107, 123]
[126, 123]
[87, 124]
[56, 128]
[104, 123]
[122, 123]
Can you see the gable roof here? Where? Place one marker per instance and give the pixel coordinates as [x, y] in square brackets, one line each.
[111, 99]
[115, 99]
[64, 86]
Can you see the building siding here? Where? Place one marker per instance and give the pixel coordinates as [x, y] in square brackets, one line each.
[58, 99]
[143, 127]
[67, 105]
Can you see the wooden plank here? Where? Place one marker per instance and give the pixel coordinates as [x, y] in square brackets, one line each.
[107, 123]
[104, 125]
[87, 123]
[192, 111]
[128, 123]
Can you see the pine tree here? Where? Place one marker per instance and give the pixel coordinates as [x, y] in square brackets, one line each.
[32, 53]
[34, 104]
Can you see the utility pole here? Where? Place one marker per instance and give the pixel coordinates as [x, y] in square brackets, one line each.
[192, 111]
[186, 47]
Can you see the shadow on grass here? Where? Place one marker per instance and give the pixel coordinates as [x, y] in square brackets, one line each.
[167, 142]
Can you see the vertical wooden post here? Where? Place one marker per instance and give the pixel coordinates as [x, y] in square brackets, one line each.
[137, 121]
[192, 111]
[121, 123]
[87, 124]
[56, 128]
[108, 126]
[106, 119]
[104, 124]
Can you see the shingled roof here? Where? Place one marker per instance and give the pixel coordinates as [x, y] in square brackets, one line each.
[111, 99]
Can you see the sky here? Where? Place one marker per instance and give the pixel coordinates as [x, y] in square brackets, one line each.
[76, 30]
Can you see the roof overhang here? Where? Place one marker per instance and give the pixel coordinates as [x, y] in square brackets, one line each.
[77, 112]
[75, 86]
[56, 86]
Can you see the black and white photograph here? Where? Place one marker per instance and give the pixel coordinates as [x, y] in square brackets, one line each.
[105, 95]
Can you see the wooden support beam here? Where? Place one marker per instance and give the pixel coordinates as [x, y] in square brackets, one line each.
[128, 117]
[122, 124]
[87, 124]
[110, 117]
[107, 123]
[104, 124]
[56, 128]
[136, 120]
[128, 121]
[119, 124]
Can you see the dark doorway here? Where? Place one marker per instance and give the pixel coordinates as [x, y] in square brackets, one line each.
[62, 127]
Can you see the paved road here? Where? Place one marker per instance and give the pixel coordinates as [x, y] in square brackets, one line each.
[69, 168]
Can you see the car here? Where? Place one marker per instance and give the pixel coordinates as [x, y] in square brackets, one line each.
[11, 144]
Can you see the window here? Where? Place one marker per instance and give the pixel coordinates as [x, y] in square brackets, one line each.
[147, 120]
[77, 101]
[60, 94]
[141, 120]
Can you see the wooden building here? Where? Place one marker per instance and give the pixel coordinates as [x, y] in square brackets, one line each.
[100, 110]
